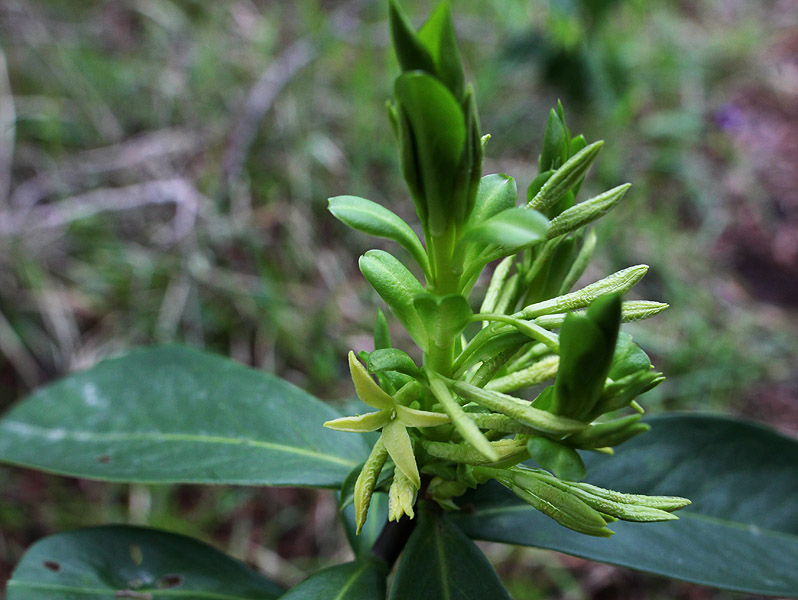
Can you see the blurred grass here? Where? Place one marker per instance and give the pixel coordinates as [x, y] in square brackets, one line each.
[168, 167]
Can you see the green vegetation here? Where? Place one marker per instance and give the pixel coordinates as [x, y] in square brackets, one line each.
[169, 175]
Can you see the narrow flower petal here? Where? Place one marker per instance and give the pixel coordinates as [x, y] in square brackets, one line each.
[401, 497]
[411, 417]
[397, 442]
[367, 389]
[360, 423]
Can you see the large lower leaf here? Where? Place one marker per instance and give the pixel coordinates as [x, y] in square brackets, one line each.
[740, 533]
[172, 414]
[440, 563]
[132, 562]
[360, 580]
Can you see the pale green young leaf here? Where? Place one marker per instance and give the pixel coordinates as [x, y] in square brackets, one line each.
[496, 193]
[392, 359]
[397, 287]
[510, 231]
[560, 459]
[369, 217]
[444, 317]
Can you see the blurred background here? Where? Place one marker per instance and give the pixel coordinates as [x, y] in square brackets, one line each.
[164, 171]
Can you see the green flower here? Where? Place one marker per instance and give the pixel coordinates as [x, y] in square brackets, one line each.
[392, 417]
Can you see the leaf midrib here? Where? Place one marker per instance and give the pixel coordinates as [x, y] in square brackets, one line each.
[105, 592]
[26, 429]
[350, 582]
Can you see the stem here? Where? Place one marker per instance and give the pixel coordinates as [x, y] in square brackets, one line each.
[392, 540]
[394, 535]
[447, 266]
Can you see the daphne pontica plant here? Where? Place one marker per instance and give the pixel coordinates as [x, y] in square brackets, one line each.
[485, 430]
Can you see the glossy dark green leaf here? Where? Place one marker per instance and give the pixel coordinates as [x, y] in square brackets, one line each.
[359, 580]
[438, 128]
[369, 217]
[439, 561]
[397, 287]
[173, 414]
[377, 518]
[132, 562]
[740, 532]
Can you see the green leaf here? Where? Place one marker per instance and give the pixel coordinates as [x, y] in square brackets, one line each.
[739, 533]
[172, 414]
[382, 333]
[440, 562]
[397, 287]
[558, 458]
[392, 359]
[609, 434]
[496, 193]
[369, 217]
[587, 344]
[628, 358]
[444, 317]
[439, 37]
[377, 517]
[359, 580]
[438, 129]
[555, 144]
[132, 562]
[412, 54]
[511, 230]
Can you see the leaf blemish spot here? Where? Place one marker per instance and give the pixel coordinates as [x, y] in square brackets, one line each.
[136, 555]
[52, 566]
[103, 458]
[170, 581]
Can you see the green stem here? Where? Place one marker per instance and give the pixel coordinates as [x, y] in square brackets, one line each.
[447, 268]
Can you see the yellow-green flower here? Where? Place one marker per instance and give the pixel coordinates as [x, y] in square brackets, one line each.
[392, 418]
